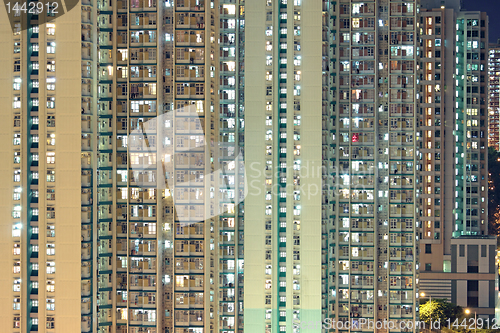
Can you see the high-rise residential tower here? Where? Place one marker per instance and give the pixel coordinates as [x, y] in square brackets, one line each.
[42, 237]
[369, 134]
[457, 256]
[284, 280]
[134, 141]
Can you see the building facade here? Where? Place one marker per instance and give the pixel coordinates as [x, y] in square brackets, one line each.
[493, 96]
[453, 165]
[369, 135]
[41, 139]
[150, 107]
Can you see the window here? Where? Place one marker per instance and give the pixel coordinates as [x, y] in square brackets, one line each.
[461, 250]
[428, 267]
[51, 158]
[483, 251]
[51, 29]
[17, 321]
[51, 102]
[428, 248]
[50, 286]
[51, 66]
[51, 176]
[17, 139]
[51, 83]
[472, 269]
[17, 103]
[51, 47]
[51, 322]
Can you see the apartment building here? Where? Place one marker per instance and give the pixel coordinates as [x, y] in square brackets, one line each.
[153, 102]
[453, 121]
[41, 229]
[125, 83]
[283, 238]
[370, 52]
[493, 96]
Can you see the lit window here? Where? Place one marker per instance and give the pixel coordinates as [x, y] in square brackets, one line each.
[51, 47]
[51, 158]
[51, 29]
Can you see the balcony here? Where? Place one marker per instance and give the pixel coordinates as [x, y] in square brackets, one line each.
[86, 324]
[192, 22]
[85, 143]
[143, 5]
[189, 266]
[191, 38]
[85, 289]
[86, 52]
[146, 178]
[86, 125]
[196, 5]
[86, 235]
[144, 248]
[104, 196]
[86, 251]
[142, 40]
[85, 308]
[85, 270]
[143, 214]
[86, 178]
[86, 197]
[86, 214]
[146, 266]
[143, 282]
[104, 229]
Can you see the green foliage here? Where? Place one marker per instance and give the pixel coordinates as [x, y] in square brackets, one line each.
[439, 309]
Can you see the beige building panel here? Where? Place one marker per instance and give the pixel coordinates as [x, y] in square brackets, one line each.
[6, 168]
[311, 157]
[68, 144]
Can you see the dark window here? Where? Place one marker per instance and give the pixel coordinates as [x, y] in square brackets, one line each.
[472, 285]
[428, 267]
[428, 248]
[483, 251]
[461, 250]
[472, 269]
[472, 302]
